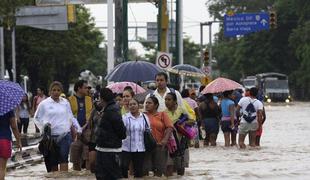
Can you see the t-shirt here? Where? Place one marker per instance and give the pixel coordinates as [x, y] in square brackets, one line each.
[159, 123]
[5, 130]
[81, 113]
[245, 101]
[225, 103]
[37, 101]
[23, 111]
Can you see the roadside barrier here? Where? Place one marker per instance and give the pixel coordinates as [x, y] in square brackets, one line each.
[29, 155]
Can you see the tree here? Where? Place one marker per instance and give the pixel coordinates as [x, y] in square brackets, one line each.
[59, 55]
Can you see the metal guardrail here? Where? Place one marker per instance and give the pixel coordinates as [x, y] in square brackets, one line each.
[29, 155]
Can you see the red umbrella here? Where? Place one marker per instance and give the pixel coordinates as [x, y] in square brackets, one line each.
[220, 85]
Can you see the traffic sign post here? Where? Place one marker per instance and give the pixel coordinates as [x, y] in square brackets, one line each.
[164, 60]
[240, 24]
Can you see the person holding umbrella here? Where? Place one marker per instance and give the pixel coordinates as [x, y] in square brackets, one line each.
[10, 96]
[7, 122]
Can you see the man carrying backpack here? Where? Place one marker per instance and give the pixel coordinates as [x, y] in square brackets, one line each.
[251, 118]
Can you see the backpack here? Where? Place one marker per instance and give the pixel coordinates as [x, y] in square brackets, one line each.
[249, 113]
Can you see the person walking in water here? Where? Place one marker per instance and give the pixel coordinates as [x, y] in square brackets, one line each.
[209, 113]
[81, 106]
[251, 119]
[109, 135]
[228, 120]
[55, 112]
[23, 114]
[7, 125]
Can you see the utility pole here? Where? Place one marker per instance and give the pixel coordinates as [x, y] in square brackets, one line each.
[180, 27]
[13, 55]
[110, 37]
[163, 24]
[179, 36]
[125, 30]
[177, 32]
[209, 23]
[2, 53]
[118, 8]
[201, 45]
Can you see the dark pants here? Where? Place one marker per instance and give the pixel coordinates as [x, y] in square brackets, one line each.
[23, 125]
[108, 166]
[137, 159]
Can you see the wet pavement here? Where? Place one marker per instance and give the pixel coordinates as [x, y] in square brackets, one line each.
[284, 154]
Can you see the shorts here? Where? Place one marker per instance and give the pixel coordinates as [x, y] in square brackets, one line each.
[225, 126]
[245, 127]
[64, 148]
[212, 125]
[259, 131]
[78, 152]
[156, 160]
[5, 148]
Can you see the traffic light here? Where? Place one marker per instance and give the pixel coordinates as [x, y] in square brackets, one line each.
[273, 19]
[206, 57]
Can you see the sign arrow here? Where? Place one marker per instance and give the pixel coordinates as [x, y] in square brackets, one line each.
[264, 22]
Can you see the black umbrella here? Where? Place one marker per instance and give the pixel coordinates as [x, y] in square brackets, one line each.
[133, 71]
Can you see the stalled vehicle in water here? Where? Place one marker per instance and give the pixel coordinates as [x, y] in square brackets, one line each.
[273, 86]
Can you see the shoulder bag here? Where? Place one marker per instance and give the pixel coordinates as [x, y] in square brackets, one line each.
[149, 140]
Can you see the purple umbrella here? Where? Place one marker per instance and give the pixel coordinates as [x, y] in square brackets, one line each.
[11, 95]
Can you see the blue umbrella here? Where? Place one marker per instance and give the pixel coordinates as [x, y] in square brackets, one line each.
[11, 95]
[186, 70]
[133, 71]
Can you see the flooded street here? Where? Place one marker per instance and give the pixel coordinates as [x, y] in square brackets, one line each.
[285, 153]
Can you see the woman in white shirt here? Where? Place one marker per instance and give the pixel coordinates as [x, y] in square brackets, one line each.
[56, 112]
[133, 146]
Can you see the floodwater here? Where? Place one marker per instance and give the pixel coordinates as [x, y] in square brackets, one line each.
[284, 153]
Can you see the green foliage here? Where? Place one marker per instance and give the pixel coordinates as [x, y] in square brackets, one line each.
[191, 52]
[8, 9]
[60, 55]
[150, 49]
[300, 42]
